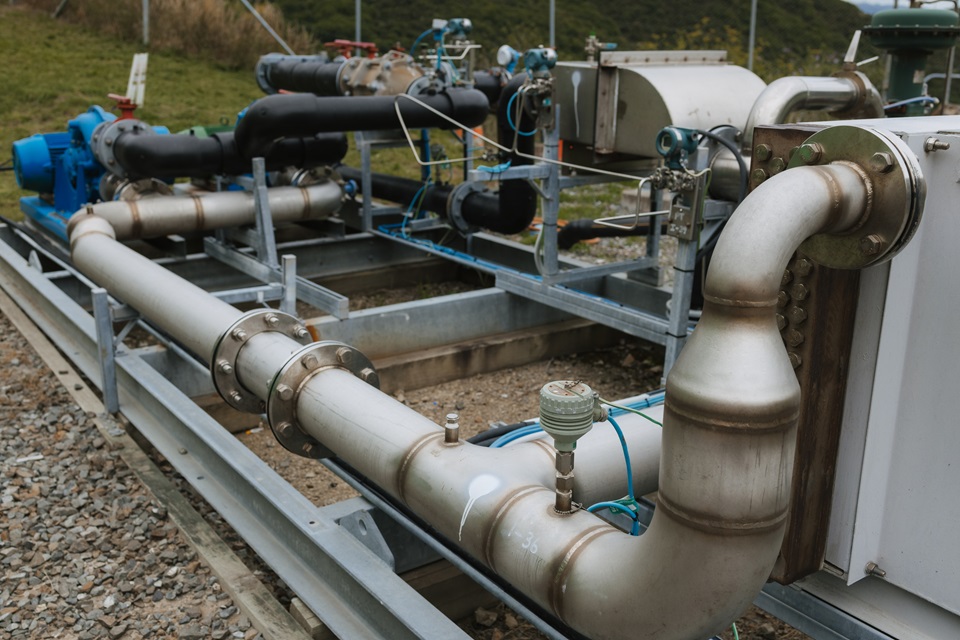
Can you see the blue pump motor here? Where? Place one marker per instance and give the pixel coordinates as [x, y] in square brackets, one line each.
[61, 164]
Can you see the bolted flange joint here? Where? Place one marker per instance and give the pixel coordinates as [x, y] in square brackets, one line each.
[223, 366]
[285, 388]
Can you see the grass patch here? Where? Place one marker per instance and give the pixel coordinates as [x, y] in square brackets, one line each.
[56, 70]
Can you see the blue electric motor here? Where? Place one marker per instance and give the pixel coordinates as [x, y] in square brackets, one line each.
[61, 165]
[62, 168]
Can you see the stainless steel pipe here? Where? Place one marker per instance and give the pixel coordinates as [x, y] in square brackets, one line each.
[181, 309]
[849, 91]
[727, 443]
[160, 216]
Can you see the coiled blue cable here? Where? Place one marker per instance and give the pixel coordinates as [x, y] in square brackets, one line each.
[510, 117]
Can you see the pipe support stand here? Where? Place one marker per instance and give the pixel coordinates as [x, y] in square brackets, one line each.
[223, 365]
[286, 385]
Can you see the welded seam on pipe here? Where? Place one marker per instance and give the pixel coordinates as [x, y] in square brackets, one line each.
[493, 526]
[698, 420]
[562, 568]
[721, 526]
[408, 460]
[198, 209]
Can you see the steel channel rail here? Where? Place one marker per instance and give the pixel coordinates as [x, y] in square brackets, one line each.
[346, 585]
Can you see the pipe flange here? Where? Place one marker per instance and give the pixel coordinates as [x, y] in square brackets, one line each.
[223, 366]
[105, 137]
[286, 386]
[455, 205]
[896, 199]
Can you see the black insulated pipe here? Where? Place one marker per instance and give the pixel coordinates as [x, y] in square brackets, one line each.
[518, 200]
[489, 83]
[403, 190]
[301, 74]
[187, 156]
[510, 211]
[281, 116]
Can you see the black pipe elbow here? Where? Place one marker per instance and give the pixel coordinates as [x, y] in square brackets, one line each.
[517, 200]
[489, 84]
[277, 117]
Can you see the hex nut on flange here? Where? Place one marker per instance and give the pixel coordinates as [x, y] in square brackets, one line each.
[224, 362]
[871, 245]
[810, 152]
[298, 369]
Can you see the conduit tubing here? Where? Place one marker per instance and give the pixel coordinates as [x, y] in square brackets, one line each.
[160, 216]
[728, 437]
[276, 117]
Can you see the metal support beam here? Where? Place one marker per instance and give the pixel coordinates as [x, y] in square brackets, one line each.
[106, 349]
[601, 310]
[266, 245]
[310, 292]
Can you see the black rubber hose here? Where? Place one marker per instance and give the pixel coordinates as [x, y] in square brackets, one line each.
[578, 230]
[181, 155]
[301, 75]
[298, 115]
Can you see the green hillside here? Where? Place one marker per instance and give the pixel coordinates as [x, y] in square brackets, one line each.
[54, 71]
[792, 37]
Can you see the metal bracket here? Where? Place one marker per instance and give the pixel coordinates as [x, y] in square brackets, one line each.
[361, 525]
[223, 366]
[680, 222]
[266, 242]
[106, 349]
[285, 388]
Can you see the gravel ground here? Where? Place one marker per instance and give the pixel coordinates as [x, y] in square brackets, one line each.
[85, 550]
[87, 553]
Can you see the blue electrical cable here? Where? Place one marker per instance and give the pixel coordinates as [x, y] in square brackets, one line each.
[510, 118]
[516, 434]
[903, 103]
[409, 213]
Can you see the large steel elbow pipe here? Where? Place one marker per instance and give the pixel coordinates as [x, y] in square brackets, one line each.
[847, 91]
[277, 117]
